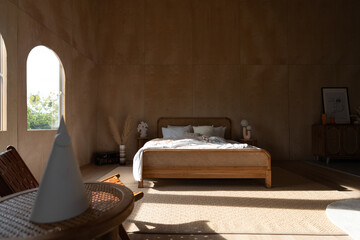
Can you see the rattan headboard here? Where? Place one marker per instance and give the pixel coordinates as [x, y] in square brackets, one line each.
[199, 121]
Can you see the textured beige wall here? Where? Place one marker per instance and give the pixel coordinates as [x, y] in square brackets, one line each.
[263, 60]
[62, 26]
[260, 60]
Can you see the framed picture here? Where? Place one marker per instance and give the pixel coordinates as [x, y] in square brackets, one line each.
[336, 104]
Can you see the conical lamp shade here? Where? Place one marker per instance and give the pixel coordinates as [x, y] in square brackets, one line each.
[61, 193]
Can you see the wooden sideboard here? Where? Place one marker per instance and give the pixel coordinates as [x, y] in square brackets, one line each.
[336, 141]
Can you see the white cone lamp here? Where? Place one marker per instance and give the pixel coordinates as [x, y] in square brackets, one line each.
[61, 194]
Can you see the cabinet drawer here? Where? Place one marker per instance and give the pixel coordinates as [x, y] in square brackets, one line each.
[338, 140]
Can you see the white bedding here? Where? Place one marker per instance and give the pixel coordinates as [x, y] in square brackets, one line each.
[178, 144]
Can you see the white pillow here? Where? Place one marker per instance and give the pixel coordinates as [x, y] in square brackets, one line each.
[187, 128]
[190, 135]
[219, 131]
[204, 130]
[169, 133]
[175, 131]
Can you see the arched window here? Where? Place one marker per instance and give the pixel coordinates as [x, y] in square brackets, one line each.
[3, 81]
[45, 89]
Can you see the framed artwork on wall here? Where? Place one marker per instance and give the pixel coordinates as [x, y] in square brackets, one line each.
[336, 104]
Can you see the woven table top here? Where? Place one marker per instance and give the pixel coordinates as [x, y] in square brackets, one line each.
[107, 202]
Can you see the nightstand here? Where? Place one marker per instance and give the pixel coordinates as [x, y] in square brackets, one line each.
[252, 142]
[142, 141]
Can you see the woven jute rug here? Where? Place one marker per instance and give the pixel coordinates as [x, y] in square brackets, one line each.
[294, 205]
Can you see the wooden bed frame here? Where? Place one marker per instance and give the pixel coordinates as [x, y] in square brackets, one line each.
[205, 163]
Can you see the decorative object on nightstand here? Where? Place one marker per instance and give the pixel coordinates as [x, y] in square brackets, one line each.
[142, 129]
[246, 129]
[122, 139]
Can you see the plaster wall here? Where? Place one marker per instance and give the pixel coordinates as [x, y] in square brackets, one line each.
[63, 26]
[260, 60]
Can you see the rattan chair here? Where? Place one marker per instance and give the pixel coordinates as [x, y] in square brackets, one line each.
[15, 177]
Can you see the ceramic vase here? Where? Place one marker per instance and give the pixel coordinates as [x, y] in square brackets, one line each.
[246, 133]
[143, 133]
[122, 155]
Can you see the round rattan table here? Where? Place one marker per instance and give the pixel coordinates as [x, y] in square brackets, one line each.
[110, 205]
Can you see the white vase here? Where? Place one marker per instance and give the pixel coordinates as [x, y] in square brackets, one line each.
[143, 133]
[122, 155]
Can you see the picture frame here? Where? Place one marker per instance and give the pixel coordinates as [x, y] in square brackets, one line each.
[336, 104]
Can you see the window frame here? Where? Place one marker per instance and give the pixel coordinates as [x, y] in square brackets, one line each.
[62, 80]
[3, 85]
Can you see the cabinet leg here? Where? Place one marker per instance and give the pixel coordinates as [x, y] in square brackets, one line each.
[327, 160]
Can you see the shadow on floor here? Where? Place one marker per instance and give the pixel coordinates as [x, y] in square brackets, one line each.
[191, 230]
[239, 202]
[350, 166]
[282, 180]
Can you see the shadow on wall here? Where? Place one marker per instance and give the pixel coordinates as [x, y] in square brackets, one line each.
[193, 230]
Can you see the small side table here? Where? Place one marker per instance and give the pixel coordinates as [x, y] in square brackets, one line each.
[252, 142]
[110, 205]
[142, 141]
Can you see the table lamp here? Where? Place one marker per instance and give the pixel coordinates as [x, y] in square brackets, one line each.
[61, 194]
[246, 129]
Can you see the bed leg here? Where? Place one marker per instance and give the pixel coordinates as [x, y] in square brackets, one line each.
[268, 179]
[141, 184]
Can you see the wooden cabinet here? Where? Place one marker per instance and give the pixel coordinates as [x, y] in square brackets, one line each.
[336, 141]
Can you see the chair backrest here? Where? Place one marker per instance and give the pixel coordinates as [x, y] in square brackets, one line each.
[15, 176]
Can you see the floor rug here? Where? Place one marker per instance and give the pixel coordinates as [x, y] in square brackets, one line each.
[294, 205]
[346, 215]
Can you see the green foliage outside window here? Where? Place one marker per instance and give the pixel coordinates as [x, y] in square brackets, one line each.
[43, 112]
